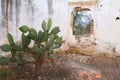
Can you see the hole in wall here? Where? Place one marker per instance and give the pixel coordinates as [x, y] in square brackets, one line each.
[117, 18]
[82, 24]
[82, 21]
[101, 5]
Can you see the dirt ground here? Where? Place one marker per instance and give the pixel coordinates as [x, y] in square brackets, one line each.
[69, 67]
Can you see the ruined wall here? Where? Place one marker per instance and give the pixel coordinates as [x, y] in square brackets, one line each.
[105, 13]
[106, 16]
[108, 26]
[14, 13]
[89, 4]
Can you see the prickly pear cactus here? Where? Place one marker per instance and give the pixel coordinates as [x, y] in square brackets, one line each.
[11, 47]
[45, 41]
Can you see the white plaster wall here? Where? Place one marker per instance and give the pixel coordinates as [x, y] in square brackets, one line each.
[93, 9]
[33, 18]
[108, 29]
[60, 16]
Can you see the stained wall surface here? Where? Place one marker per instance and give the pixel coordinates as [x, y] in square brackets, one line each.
[105, 13]
[15, 13]
[106, 16]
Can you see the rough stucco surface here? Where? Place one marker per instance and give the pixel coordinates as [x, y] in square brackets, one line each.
[31, 13]
[106, 27]
[106, 32]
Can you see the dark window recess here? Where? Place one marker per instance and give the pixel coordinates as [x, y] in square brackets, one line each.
[81, 22]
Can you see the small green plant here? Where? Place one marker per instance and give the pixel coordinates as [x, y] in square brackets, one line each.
[45, 41]
[15, 50]
[10, 47]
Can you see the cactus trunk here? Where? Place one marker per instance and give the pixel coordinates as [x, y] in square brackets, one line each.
[38, 64]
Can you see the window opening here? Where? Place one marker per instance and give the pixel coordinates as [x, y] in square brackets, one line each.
[81, 21]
